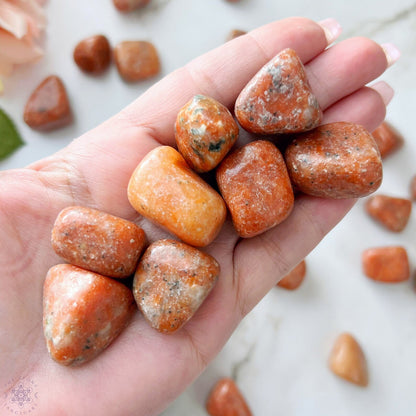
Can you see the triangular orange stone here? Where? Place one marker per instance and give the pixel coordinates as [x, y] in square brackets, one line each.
[347, 360]
[278, 99]
[48, 107]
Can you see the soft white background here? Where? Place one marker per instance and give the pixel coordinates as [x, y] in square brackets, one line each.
[279, 353]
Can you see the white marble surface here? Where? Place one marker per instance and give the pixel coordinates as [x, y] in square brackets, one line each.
[278, 355]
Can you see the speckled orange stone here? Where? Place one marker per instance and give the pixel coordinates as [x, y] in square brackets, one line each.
[393, 213]
[93, 54]
[388, 139]
[336, 160]
[386, 264]
[136, 60]
[97, 241]
[171, 282]
[294, 278]
[83, 312]
[204, 131]
[279, 98]
[48, 106]
[255, 185]
[164, 189]
[347, 360]
[225, 399]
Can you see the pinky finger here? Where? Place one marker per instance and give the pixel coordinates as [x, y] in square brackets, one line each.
[366, 106]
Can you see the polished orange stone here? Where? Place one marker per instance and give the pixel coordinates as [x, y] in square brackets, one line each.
[97, 241]
[204, 131]
[278, 99]
[388, 139]
[136, 60]
[393, 213]
[336, 160]
[93, 54]
[347, 360]
[83, 312]
[171, 282]
[48, 106]
[226, 399]
[255, 185]
[164, 189]
[294, 278]
[386, 264]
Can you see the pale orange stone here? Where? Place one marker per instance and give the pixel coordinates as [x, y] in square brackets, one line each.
[347, 360]
[294, 278]
[388, 139]
[164, 189]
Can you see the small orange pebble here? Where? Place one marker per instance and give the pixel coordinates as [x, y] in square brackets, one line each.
[83, 312]
[204, 131]
[93, 54]
[235, 33]
[126, 6]
[347, 360]
[294, 278]
[278, 99]
[388, 139]
[255, 185]
[413, 188]
[392, 213]
[226, 399]
[171, 282]
[336, 160]
[386, 264]
[48, 107]
[97, 241]
[136, 60]
[164, 189]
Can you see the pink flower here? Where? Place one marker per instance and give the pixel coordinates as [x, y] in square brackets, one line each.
[21, 25]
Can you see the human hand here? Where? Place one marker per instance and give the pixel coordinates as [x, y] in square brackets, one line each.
[143, 371]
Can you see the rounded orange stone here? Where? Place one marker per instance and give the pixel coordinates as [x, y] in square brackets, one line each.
[388, 139]
[335, 160]
[171, 282]
[97, 241]
[164, 189]
[255, 185]
[205, 131]
[93, 54]
[83, 312]
[294, 278]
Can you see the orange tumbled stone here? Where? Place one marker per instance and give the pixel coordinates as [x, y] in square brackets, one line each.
[48, 107]
[235, 33]
[97, 241]
[386, 264]
[255, 185]
[204, 131]
[136, 60]
[392, 213]
[294, 278]
[347, 360]
[279, 98]
[335, 160]
[164, 189]
[171, 282]
[225, 399]
[388, 139]
[83, 312]
[93, 54]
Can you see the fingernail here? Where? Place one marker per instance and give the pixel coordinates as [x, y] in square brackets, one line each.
[384, 89]
[392, 53]
[331, 28]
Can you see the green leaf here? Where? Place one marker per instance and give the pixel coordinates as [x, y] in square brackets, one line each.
[10, 139]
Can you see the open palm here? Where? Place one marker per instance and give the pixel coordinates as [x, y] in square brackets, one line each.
[143, 371]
